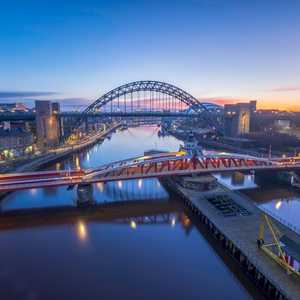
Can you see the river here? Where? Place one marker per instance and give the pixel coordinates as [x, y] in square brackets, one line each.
[162, 257]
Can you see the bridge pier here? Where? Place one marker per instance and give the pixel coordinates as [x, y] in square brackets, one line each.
[85, 195]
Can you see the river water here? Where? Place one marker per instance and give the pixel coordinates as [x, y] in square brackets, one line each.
[276, 199]
[161, 257]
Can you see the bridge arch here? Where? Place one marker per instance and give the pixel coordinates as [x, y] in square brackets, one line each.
[172, 92]
[150, 86]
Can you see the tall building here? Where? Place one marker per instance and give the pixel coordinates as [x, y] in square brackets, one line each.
[252, 104]
[47, 127]
[237, 118]
[253, 108]
[55, 107]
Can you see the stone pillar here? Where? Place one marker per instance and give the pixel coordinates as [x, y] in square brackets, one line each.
[237, 119]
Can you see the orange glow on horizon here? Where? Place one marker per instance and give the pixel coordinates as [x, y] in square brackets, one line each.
[280, 99]
[282, 103]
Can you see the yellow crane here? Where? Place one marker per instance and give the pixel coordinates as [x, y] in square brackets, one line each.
[279, 247]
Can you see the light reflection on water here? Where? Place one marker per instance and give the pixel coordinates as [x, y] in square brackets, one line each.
[150, 257]
[281, 201]
[82, 230]
[285, 210]
[236, 180]
[122, 145]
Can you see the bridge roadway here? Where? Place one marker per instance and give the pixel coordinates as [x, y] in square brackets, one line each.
[123, 212]
[164, 164]
[30, 116]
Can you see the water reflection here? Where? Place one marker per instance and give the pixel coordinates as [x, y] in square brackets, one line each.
[278, 204]
[115, 263]
[33, 192]
[278, 201]
[133, 189]
[173, 222]
[103, 192]
[77, 162]
[132, 224]
[120, 184]
[100, 186]
[236, 180]
[81, 231]
[122, 145]
[140, 183]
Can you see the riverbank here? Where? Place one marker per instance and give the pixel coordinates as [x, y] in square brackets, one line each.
[61, 153]
[210, 144]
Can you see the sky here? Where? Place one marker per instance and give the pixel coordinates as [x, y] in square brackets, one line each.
[220, 51]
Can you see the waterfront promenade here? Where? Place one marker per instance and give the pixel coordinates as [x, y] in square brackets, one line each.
[63, 151]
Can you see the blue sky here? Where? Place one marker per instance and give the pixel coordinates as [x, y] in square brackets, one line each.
[220, 50]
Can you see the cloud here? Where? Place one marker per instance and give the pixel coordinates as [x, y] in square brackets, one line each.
[285, 89]
[223, 100]
[72, 102]
[73, 99]
[24, 94]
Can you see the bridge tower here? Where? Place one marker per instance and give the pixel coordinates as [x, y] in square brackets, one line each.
[237, 119]
[47, 125]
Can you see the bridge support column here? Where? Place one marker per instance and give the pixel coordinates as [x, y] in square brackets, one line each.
[85, 195]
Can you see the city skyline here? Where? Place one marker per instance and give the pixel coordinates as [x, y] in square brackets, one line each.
[234, 51]
[141, 140]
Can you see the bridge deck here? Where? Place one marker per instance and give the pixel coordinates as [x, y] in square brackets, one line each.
[243, 232]
[164, 164]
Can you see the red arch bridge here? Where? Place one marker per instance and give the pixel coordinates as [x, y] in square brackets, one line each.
[164, 164]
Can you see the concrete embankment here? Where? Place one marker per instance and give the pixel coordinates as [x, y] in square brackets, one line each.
[237, 234]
